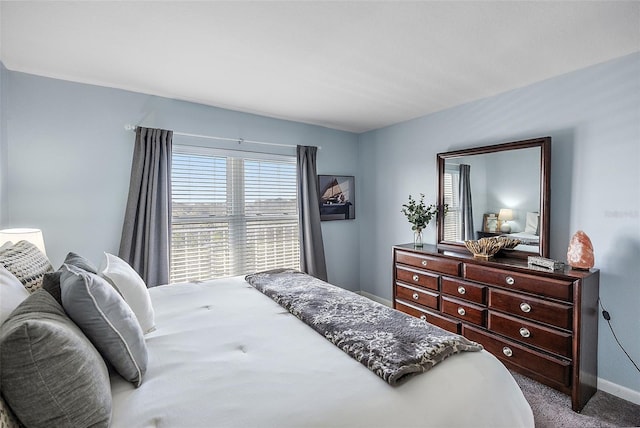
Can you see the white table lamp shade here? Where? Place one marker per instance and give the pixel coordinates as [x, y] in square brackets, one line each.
[505, 214]
[23, 234]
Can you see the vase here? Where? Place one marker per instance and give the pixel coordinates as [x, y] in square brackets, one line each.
[417, 238]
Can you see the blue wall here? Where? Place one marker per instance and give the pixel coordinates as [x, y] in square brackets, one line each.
[593, 117]
[69, 161]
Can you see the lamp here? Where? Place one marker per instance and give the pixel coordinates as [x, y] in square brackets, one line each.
[23, 234]
[505, 216]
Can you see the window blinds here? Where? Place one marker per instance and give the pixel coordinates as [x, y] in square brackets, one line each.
[233, 213]
[452, 228]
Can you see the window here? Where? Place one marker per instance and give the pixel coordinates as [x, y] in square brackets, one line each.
[232, 213]
[452, 229]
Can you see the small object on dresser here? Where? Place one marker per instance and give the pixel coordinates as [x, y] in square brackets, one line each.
[544, 263]
[485, 248]
[580, 252]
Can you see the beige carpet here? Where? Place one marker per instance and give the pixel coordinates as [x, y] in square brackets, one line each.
[553, 409]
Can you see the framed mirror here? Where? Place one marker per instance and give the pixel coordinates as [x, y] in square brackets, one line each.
[502, 189]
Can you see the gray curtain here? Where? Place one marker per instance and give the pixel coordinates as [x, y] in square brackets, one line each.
[311, 247]
[466, 212]
[146, 233]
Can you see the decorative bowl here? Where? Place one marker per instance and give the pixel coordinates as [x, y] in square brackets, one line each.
[509, 243]
[485, 248]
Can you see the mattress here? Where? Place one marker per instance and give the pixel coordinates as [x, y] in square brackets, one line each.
[224, 354]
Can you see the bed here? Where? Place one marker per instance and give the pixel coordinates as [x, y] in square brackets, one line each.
[224, 354]
[529, 241]
[251, 363]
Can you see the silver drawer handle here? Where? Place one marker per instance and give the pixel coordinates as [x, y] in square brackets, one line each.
[461, 290]
[525, 307]
[461, 311]
[507, 351]
[415, 296]
[510, 280]
[525, 332]
[423, 317]
[416, 278]
[424, 262]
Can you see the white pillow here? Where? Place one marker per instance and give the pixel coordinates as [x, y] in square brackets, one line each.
[531, 226]
[126, 280]
[12, 293]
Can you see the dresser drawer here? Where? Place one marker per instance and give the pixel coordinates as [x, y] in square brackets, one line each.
[556, 370]
[464, 290]
[450, 267]
[545, 338]
[428, 316]
[417, 295]
[463, 310]
[552, 313]
[554, 288]
[412, 276]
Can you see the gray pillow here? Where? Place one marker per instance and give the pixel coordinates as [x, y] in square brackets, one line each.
[107, 320]
[51, 280]
[51, 374]
[79, 261]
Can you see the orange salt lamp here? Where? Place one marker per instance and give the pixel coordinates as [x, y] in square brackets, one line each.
[580, 252]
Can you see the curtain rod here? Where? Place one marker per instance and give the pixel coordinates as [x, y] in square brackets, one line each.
[130, 127]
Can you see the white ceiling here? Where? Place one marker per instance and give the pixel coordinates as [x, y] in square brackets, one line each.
[353, 66]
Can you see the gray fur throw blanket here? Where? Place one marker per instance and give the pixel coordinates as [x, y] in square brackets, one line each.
[393, 345]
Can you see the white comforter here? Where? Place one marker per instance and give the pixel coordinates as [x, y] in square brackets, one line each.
[223, 355]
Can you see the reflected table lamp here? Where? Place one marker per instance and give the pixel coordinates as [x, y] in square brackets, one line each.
[505, 216]
[23, 234]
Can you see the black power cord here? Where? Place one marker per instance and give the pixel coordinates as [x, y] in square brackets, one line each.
[607, 317]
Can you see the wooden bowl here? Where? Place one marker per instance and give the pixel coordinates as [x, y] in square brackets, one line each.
[485, 248]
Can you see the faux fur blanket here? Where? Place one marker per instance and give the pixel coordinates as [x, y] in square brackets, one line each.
[390, 343]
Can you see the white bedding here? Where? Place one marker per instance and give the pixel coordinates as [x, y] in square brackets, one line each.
[530, 241]
[528, 238]
[223, 354]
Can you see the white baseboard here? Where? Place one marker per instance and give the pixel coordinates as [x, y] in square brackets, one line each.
[619, 391]
[603, 385]
[376, 298]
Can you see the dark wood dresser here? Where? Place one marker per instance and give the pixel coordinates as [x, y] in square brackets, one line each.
[538, 323]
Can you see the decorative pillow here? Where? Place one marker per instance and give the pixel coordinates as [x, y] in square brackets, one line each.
[12, 293]
[51, 374]
[27, 263]
[532, 224]
[51, 280]
[107, 320]
[79, 261]
[132, 288]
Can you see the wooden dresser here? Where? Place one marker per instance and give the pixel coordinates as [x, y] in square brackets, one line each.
[541, 324]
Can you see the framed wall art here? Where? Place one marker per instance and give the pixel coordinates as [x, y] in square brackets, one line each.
[337, 197]
[490, 222]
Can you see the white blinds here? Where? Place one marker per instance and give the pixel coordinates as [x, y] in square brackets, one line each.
[232, 213]
[452, 230]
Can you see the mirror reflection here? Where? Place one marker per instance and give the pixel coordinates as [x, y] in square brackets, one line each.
[491, 193]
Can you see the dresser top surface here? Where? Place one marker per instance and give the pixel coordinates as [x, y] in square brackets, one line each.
[497, 262]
